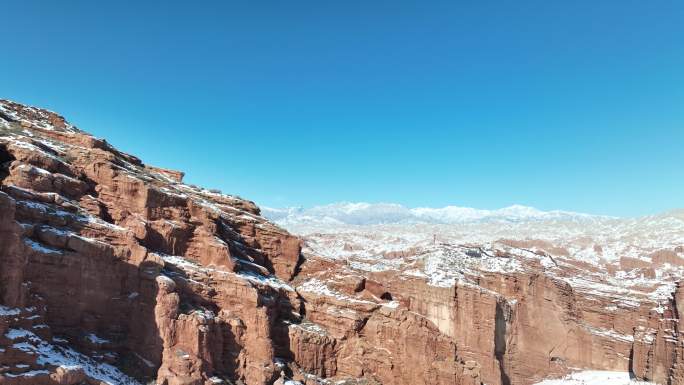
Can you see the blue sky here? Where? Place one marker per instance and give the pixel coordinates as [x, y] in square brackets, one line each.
[558, 105]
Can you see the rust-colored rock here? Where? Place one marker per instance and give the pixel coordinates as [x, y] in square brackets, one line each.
[113, 271]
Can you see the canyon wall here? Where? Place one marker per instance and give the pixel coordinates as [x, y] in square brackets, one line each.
[116, 272]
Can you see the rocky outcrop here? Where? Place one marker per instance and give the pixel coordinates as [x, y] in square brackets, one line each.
[114, 271]
[130, 266]
[516, 313]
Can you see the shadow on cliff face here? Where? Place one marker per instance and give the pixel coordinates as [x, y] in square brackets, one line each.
[229, 354]
[281, 314]
[101, 304]
[280, 333]
[502, 316]
[5, 159]
[144, 345]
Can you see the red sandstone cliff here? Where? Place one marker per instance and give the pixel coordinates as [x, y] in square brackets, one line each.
[113, 271]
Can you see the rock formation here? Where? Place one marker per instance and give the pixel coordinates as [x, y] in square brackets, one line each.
[116, 272]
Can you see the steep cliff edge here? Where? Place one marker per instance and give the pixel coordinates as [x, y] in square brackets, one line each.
[107, 263]
[116, 272]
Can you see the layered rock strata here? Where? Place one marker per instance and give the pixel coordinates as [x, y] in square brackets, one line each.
[116, 272]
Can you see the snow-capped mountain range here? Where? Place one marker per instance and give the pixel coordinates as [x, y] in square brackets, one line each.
[391, 213]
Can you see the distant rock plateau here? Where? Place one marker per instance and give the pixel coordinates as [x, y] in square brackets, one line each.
[113, 271]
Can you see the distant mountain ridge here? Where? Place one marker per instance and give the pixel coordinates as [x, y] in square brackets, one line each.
[362, 213]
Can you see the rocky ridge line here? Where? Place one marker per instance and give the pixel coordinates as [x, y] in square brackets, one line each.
[113, 271]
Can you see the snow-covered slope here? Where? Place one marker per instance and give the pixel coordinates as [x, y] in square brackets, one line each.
[595, 378]
[451, 244]
[387, 227]
[389, 213]
[616, 279]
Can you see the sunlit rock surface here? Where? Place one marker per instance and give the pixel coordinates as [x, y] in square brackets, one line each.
[113, 271]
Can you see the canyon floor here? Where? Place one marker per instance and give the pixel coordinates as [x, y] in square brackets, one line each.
[113, 271]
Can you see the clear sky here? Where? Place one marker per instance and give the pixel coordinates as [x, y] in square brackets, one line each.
[575, 105]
